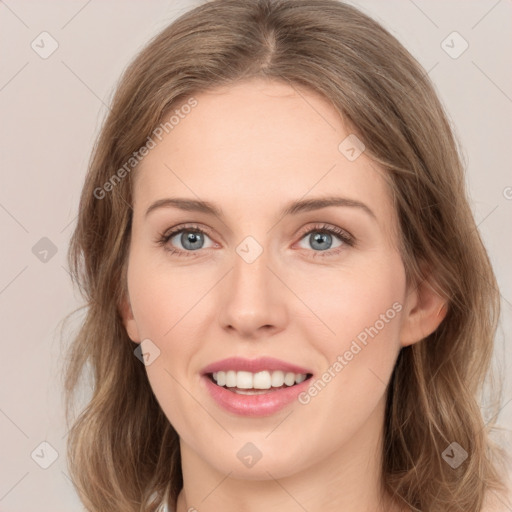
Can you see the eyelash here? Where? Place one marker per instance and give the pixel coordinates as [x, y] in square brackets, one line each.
[343, 235]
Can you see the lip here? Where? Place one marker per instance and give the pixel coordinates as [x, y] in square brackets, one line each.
[253, 365]
[254, 405]
[264, 404]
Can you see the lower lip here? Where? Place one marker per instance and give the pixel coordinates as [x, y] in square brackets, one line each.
[254, 405]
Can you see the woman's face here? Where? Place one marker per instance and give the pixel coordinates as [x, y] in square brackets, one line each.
[265, 283]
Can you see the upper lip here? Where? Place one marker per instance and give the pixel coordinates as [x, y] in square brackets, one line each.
[253, 365]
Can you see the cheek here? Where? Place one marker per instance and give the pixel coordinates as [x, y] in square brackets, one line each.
[363, 308]
[350, 303]
[332, 308]
[162, 295]
[164, 303]
[170, 309]
[338, 321]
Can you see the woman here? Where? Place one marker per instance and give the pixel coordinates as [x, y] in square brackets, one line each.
[289, 303]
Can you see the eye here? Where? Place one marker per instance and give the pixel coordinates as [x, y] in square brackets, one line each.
[191, 239]
[320, 238]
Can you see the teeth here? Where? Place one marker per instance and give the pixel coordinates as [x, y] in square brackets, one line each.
[289, 379]
[231, 379]
[259, 380]
[277, 379]
[300, 378]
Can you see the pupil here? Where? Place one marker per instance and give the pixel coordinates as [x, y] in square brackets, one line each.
[321, 238]
[192, 238]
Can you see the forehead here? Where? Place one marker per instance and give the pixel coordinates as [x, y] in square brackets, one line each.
[256, 145]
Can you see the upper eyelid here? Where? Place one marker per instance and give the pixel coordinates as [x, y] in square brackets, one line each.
[172, 232]
[318, 226]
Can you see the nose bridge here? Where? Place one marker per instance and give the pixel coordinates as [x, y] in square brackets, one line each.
[250, 280]
[252, 299]
[250, 273]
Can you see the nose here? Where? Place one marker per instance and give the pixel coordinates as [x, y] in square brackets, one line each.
[252, 302]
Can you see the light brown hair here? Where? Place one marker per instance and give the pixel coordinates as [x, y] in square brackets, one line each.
[122, 448]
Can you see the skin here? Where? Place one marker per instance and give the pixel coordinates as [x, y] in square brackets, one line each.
[250, 149]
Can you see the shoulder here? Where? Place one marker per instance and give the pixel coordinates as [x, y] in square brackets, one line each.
[500, 502]
[497, 503]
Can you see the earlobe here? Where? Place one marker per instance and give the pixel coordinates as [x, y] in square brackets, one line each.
[129, 323]
[424, 312]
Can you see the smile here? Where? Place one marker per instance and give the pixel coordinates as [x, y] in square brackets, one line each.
[254, 387]
[249, 383]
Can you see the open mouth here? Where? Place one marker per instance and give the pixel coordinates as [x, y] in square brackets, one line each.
[247, 383]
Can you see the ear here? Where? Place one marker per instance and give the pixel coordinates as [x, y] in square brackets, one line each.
[424, 311]
[125, 310]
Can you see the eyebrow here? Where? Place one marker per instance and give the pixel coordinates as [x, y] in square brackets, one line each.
[304, 205]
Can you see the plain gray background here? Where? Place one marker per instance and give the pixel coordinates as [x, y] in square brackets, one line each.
[51, 111]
